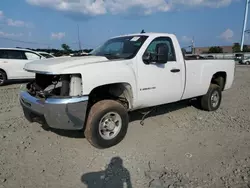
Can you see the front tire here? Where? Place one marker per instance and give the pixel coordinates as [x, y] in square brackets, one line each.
[3, 78]
[212, 100]
[248, 63]
[107, 124]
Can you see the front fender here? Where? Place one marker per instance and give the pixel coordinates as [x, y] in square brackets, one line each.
[99, 74]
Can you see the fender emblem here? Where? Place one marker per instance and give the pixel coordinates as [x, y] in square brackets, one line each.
[148, 88]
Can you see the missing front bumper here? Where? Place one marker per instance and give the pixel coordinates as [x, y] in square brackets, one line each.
[59, 113]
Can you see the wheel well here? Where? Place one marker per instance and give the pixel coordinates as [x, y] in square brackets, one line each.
[4, 72]
[121, 92]
[220, 79]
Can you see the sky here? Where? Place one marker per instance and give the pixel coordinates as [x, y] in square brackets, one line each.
[47, 23]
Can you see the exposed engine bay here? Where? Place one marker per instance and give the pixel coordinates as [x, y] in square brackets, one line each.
[44, 86]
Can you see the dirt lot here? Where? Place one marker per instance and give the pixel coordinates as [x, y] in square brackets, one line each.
[178, 146]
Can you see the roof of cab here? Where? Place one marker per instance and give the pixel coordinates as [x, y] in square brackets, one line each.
[144, 34]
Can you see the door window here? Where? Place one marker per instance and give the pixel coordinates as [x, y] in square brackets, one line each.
[162, 40]
[3, 54]
[15, 54]
[32, 56]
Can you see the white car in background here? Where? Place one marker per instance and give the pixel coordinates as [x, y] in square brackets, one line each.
[12, 61]
[245, 61]
[46, 55]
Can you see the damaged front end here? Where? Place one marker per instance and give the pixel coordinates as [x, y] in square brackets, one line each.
[56, 98]
[45, 86]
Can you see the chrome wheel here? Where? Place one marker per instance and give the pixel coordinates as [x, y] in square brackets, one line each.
[215, 98]
[110, 125]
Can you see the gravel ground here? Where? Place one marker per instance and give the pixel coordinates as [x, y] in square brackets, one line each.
[178, 146]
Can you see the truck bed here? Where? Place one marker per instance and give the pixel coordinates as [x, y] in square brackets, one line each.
[199, 74]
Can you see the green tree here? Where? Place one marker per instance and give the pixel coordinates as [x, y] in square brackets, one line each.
[66, 48]
[215, 49]
[236, 47]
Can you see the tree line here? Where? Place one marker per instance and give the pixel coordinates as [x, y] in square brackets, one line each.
[65, 50]
[235, 48]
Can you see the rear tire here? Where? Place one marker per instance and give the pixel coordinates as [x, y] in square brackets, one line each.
[3, 78]
[212, 100]
[107, 124]
[248, 63]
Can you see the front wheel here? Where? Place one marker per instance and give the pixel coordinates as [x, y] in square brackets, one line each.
[107, 124]
[248, 63]
[3, 78]
[212, 100]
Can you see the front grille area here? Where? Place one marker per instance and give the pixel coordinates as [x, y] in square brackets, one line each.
[43, 80]
[45, 86]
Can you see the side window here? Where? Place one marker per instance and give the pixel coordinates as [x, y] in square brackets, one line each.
[15, 54]
[3, 54]
[32, 56]
[165, 40]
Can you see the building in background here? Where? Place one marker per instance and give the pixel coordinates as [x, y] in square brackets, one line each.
[204, 50]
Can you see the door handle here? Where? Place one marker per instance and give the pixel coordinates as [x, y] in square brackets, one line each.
[175, 70]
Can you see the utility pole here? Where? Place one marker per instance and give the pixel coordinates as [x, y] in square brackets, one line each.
[192, 46]
[244, 25]
[80, 48]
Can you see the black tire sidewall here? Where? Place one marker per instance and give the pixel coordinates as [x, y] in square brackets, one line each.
[96, 137]
[4, 78]
[210, 93]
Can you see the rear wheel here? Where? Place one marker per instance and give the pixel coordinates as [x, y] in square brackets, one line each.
[3, 78]
[212, 100]
[248, 63]
[107, 124]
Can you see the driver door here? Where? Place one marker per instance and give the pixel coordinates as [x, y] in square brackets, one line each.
[159, 83]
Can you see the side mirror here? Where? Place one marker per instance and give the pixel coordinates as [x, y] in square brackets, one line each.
[162, 53]
[147, 57]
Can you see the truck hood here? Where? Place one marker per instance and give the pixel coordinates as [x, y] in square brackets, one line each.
[55, 65]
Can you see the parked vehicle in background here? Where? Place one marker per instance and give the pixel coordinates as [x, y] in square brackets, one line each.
[239, 56]
[46, 55]
[79, 54]
[12, 61]
[209, 57]
[245, 61]
[193, 57]
[94, 93]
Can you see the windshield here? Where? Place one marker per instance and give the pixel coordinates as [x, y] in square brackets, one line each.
[120, 48]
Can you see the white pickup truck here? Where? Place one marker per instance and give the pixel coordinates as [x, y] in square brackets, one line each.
[94, 93]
